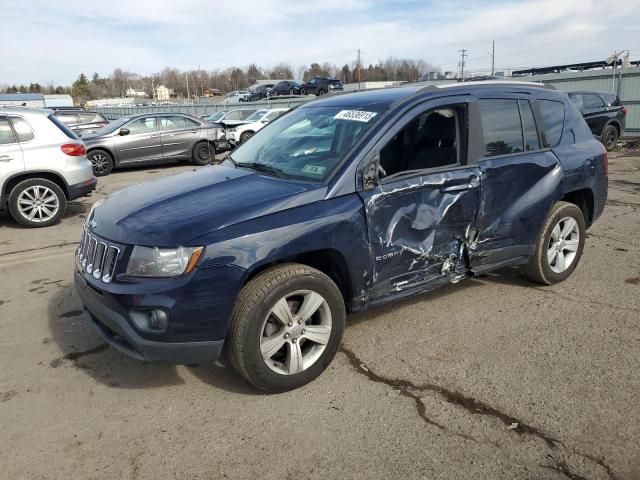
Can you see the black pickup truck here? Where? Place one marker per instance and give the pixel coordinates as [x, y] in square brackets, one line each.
[604, 114]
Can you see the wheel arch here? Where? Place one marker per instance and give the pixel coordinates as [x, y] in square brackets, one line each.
[13, 180]
[584, 200]
[110, 151]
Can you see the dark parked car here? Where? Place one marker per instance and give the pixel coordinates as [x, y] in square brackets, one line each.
[153, 138]
[81, 121]
[321, 85]
[260, 92]
[604, 114]
[286, 87]
[339, 205]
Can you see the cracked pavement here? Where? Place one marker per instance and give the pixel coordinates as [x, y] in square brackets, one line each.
[490, 378]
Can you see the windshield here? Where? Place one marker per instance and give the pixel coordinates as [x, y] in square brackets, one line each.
[214, 117]
[307, 143]
[255, 116]
[111, 127]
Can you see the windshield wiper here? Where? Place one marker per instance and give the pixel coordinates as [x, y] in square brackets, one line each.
[262, 167]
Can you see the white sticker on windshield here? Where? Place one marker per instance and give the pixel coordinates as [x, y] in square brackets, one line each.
[355, 115]
[313, 169]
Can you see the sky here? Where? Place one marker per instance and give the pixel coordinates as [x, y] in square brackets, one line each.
[49, 41]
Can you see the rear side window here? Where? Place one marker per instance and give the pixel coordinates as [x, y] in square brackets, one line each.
[531, 141]
[577, 101]
[22, 128]
[63, 128]
[592, 101]
[501, 126]
[6, 134]
[553, 119]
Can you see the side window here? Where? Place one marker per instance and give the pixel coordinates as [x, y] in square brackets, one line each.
[501, 126]
[593, 101]
[22, 128]
[6, 134]
[189, 123]
[271, 116]
[142, 125]
[235, 115]
[553, 119]
[531, 141]
[176, 123]
[430, 140]
[577, 101]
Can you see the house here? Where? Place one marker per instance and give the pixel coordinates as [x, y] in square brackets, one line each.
[26, 99]
[163, 93]
[211, 92]
[62, 100]
[131, 92]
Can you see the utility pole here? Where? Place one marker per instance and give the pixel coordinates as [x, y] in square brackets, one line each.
[493, 57]
[463, 54]
[359, 68]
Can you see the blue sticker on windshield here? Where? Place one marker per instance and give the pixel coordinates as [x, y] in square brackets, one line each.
[313, 169]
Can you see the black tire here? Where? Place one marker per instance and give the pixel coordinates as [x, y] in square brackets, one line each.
[251, 309]
[102, 162]
[27, 186]
[291, 92]
[303, 91]
[609, 137]
[203, 153]
[321, 92]
[539, 268]
[246, 136]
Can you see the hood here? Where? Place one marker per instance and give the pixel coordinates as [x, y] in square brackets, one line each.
[234, 123]
[175, 209]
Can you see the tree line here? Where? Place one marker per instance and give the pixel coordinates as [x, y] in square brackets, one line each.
[196, 82]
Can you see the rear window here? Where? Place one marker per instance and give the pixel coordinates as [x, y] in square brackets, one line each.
[67, 118]
[63, 128]
[593, 101]
[22, 128]
[553, 119]
[501, 126]
[6, 134]
[90, 117]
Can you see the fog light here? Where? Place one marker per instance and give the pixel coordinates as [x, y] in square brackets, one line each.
[150, 320]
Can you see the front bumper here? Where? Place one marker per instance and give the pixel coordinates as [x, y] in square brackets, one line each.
[117, 331]
[82, 189]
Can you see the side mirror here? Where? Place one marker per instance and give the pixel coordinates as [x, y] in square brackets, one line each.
[124, 131]
[264, 121]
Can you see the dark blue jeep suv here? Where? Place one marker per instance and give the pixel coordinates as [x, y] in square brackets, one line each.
[346, 202]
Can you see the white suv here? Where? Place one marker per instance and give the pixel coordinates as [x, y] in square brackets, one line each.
[240, 130]
[42, 165]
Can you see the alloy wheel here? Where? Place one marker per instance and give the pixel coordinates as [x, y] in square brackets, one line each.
[295, 333]
[38, 203]
[100, 162]
[563, 244]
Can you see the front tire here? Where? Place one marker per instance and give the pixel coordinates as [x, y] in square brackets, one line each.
[286, 327]
[37, 202]
[102, 162]
[245, 136]
[609, 137]
[303, 91]
[558, 246]
[203, 153]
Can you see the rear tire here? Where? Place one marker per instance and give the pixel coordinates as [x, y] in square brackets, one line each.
[203, 153]
[286, 327]
[558, 246]
[303, 91]
[102, 162]
[291, 92]
[37, 202]
[609, 137]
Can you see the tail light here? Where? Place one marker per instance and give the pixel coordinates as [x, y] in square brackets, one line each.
[623, 110]
[73, 149]
[606, 163]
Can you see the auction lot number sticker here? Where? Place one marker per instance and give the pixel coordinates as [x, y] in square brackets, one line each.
[355, 115]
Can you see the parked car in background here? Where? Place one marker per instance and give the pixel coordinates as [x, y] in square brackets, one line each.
[237, 132]
[236, 96]
[604, 113]
[81, 121]
[321, 85]
[43, 164]
[343, 204]
[286, 87]
[260, 92]
[153, 138]
[224, 115]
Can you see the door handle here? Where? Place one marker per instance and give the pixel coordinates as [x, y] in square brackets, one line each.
[5, 158]
[474, 181]
[154, 136]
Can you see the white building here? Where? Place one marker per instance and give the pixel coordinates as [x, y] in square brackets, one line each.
[132, 92]
[163, 93]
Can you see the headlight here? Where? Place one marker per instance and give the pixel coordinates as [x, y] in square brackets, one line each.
[231, 129]
[93, 207]
[162, 262]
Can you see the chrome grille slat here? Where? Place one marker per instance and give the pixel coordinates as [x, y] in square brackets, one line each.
[97, 257]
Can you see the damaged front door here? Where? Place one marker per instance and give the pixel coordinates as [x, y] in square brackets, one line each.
[422, 211]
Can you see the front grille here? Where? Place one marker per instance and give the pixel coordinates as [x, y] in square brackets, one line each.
[97, 257]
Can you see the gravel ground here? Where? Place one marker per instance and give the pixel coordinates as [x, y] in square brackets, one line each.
[494, 377]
